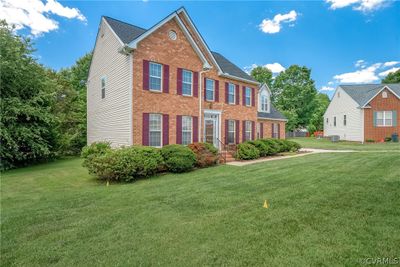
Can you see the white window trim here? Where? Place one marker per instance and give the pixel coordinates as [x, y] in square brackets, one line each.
[245, 96]
[105, 86]
[264, 96]
[213, 94]
[161, 77]
[191, 129]
[234, 132]
[191, 84]
[234, 93]
[344, 120]
[384, 112]
[161, 130]
[249, 130]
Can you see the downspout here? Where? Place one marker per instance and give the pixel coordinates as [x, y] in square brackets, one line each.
[205, 69]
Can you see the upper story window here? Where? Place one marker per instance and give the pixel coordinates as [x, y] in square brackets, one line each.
[248, 130]
[103, 87]
[334, 121]
[231, 131]
[231, 93]
[187, 130]
[210, 88]
[248, 96]
[155, 130]
[264, 103]
[187, 82]
[384, 118]
[344, 120]
[155, 76]
[327, 120]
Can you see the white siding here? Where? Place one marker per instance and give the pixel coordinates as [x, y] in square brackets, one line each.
[340, 106]
[109, 119]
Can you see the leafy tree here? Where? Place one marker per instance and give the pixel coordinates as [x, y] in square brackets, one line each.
[393, 77]
[27, 126]
[70, 106]
[294, 94]
[262, 75]
[317, 118]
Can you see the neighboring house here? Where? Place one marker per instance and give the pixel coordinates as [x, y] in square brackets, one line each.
[164, 86]
[363, 112]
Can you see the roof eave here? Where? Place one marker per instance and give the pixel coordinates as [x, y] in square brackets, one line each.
[226, 75]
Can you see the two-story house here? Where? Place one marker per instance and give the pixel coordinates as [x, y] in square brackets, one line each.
[163, 85]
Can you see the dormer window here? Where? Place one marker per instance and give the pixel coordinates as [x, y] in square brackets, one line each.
[264, 103]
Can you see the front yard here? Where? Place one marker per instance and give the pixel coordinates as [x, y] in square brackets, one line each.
[325, 209]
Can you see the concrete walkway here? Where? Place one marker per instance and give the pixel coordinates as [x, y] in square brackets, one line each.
[305, 152]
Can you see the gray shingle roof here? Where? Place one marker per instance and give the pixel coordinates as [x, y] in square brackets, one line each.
[274, 114]
[128, 32]
[362, 93]
[125, 31]
[230, 68]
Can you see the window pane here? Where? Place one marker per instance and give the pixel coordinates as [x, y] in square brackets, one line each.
[379, 115]
[155, 69]
[155, 122]
[186, 138]
[248, 96]
[186, 123]
[388, 115]
[379, 122]
[231, 131]
[155, 139]
[231, 93]
[209, 89]
[155, 83]
[186, 89]
[187, 76]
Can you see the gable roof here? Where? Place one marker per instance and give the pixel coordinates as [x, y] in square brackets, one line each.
[363, 93]
[273, 114]
[129, 33]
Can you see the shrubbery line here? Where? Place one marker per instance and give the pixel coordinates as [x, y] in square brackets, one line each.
[264, 147]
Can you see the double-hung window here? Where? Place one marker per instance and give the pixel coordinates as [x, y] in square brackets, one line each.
[248, 96]
[264, 103]
[103, 87]
[231, 131]
[334, 121]
[210, 87]
[155, 77]
[248, 130]
[344, 120]
[187, 130]
[231, 93]
[155, 130]
[187, 82]
[384, 118]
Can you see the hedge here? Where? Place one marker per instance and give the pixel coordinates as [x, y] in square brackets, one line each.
[178, 158]
[206, 154]
[265, 147]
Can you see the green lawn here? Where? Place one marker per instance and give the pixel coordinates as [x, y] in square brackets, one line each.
[312, 142]
[325, 209]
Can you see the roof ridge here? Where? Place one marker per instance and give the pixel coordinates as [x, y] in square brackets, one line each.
[130, 24]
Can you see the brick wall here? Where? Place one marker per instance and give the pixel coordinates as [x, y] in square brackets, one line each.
[381, 104]
[267, 128]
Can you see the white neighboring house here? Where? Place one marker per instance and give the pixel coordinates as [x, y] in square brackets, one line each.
[355, 110]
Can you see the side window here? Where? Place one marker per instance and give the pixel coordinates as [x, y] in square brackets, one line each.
[248, 130]
[334, 121]
[187, 82]
[248, 96]
[210, 89]
[231, 93]
[103, 87]
[155, 130]
[155, 77]
[187, 130]
[231, 131]
[344, 120]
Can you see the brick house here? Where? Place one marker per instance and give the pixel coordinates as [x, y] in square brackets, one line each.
[163, 85]
[363, 112]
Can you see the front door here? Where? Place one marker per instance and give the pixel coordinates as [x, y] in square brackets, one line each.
[211, 129]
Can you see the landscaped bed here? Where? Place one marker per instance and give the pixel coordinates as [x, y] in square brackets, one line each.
[325, 209]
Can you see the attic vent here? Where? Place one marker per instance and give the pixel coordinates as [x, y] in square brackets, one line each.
[172, 35]
[384, 94]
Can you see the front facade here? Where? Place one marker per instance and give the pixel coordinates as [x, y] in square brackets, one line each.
[363, 112]
[164, 86]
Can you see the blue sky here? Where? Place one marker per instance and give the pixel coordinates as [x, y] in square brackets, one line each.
[347, 41]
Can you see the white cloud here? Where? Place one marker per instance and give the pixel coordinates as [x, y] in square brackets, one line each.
[360, 63]
[391, 63]
[275, 67]
[274, 25]
[330, 83]
[326, 89]
[385, 73]
[360, 5]
[34, 14]
[366, 75]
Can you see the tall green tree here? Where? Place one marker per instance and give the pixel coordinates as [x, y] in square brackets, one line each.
[70, 106]
[393, 77]
[262, 75]
[294, 94]
[317, 118]
[27, 125]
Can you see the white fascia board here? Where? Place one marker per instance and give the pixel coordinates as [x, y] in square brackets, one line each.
[272, 119]
[238, 78]
[385, 87]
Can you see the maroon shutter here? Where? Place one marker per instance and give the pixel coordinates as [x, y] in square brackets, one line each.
[244, 96]
[261, 130]
[237, 94]
[166, 79]
[226, 131]
[243, 131]
[216, 90]
[179, 81]
[195, 84]
[253, 97]
[226, 92]
[145, 129]
[179, 129]
[279, 131]
[237, 130]
[195, 129]
[205, 80]
[253, 129]
[272, 129]
[145, 75]
[165, 134]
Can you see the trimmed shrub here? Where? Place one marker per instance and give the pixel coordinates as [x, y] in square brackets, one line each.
[388, 139]
[93, 150]
[206, 154]
[293, 146]
[273, 146]
[126, 164]
[178, 158]
[247, 151]
[264, 148]
[370, 141]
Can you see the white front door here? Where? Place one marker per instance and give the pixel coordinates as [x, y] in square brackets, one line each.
[211, 129]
